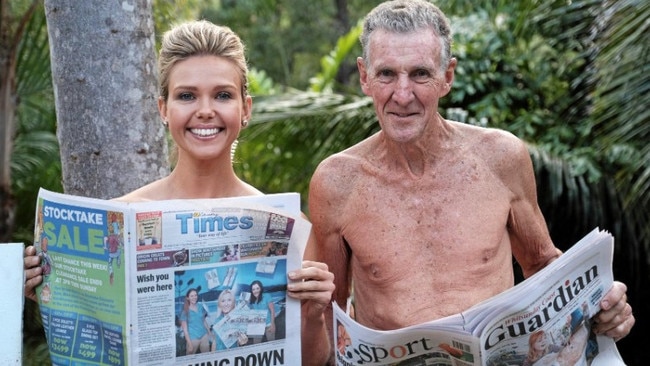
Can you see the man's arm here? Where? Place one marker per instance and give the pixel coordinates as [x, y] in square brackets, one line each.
[533, 248]
[529, 237]
[327, 205]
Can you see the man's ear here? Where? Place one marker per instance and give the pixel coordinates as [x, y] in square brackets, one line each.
[363, 75]
[450, 74]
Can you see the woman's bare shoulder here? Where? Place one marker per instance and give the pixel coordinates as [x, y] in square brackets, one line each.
[153, 191]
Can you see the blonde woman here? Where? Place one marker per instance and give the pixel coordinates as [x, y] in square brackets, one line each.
[204, 104]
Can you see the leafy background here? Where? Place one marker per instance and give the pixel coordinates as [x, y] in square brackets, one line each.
[569, 78]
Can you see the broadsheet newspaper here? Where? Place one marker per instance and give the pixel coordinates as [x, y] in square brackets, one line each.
[117, 276]
[543, 321]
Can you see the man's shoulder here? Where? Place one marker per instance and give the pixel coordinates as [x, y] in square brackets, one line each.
[336, 171]
[336, 176]
[339, 162]
[492, 143]
[501, 151]
[488, 135]
[344, 161]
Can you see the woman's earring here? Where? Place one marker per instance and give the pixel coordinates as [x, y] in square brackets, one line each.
[165, 123]
[244, 123]
[233, 149]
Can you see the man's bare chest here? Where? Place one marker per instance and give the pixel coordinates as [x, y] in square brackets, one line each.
[425, 225]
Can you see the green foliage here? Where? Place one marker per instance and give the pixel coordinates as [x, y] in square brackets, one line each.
[569, 77]
[274, 39]
[515, 83]
[166, 13]
[259, 83]
[331, 63]
[287, 38]
[35, 159]
[297, 130]
[291, 133]
[564, 82]
[621, 99]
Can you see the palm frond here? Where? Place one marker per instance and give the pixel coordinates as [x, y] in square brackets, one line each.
[297, 130]
[35, 158]
[622, 97]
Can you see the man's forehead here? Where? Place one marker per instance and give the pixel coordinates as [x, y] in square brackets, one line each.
[404, 50]
[419, 47]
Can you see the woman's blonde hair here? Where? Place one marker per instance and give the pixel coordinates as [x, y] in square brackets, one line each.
[199, 38]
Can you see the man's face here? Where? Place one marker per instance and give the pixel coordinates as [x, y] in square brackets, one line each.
[405, 79]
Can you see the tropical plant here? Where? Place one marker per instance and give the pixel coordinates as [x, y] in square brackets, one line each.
[571, 78]
[166, 13]
[286, 38]
[16, 16]
[35, 159]
[292, 132]
[613, 91]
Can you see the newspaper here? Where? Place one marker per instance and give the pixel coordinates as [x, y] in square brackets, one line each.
[543, 321]
[117, 275]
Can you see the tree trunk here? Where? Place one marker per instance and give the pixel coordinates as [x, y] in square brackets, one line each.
[104, 76]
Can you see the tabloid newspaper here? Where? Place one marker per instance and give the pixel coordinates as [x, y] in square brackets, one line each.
[123, 280]
[543, 321]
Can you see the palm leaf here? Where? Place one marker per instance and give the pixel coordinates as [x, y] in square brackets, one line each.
[291, 133]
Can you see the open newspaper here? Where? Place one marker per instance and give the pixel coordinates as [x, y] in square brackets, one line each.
[129, 283]
[543, 321]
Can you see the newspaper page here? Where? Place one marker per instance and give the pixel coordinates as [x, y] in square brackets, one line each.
[82, 297]
[445, 344]
[179, 282]
[225, 254]
[543, 321]
[552, 325]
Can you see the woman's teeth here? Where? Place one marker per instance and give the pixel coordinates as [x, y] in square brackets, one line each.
[205, 131]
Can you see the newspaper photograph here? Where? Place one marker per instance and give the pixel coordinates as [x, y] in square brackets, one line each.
[543, 321]
[180, 282]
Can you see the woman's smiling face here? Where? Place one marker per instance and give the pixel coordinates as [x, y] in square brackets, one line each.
[205, 107]
[227, 303]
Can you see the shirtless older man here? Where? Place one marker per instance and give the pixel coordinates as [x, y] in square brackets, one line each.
[425, 216]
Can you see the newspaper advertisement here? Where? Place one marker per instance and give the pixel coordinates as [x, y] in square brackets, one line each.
[543, 321]
[181, 282]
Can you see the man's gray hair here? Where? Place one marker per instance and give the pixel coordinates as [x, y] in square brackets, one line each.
[405, 16]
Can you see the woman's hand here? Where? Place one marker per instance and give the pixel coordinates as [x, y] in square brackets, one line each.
[33, 272]
[314, 284]
[242, 338]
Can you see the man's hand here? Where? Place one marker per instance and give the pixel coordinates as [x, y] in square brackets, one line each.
[615, 318]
